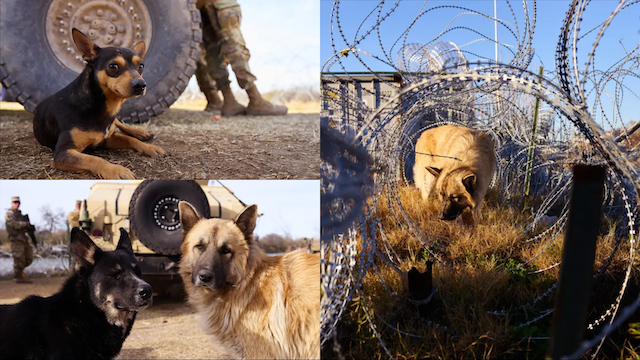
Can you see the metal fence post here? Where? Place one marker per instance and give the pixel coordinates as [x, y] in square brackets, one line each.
[578, 253]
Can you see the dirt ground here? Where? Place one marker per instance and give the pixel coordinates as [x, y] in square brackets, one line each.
[166, 330]
[241, 147]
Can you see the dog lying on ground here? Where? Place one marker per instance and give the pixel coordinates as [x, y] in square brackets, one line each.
[454, 165]
[90, 317]
[255, 306]
[83, 114]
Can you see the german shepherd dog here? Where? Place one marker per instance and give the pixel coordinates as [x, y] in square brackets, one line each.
[83, 114]
[90, 317]
[255, 306]
[454, 165]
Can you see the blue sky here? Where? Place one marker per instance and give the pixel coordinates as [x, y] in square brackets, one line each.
[550, 14]
[289, 206]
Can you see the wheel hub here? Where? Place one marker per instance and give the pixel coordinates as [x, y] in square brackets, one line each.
[107, 23]
[165, 213]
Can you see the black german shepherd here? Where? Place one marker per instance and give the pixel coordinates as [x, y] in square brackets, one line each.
[90, 317]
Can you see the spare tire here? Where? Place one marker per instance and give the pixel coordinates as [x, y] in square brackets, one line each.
[154, 216]
[38, 56]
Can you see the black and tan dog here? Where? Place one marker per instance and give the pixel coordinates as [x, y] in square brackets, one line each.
[83, 114]
[90, 317]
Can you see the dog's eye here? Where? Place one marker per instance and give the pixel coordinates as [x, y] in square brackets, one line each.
[140, 67]
[117, 275]
[225, 250]
[199, 246]
[114, 66]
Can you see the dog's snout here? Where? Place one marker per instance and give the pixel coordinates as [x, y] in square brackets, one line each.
[145, 291]
[205, 276]
[138, 86]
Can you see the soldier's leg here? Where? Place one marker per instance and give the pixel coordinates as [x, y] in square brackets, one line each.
[28, 254]
[204, 76]
[218, 65]
[235, 51]
[19, 261]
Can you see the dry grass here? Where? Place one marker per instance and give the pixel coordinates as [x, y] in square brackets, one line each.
[240, 147]
[481, 272]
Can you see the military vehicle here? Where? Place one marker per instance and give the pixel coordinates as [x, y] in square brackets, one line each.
[148, 210]
[38, 56]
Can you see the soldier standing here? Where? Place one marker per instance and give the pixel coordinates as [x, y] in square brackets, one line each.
[73, 218]
[223, 44]
[20, 247]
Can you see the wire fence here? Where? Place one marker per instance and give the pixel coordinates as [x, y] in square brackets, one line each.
[370, 124]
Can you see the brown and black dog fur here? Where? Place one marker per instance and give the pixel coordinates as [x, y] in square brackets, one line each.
[83, 114]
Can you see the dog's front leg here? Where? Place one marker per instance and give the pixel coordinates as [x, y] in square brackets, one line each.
[136, 133]
[74, 160]
[121, 141]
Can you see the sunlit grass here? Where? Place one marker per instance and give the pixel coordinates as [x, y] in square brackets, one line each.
[486, 267]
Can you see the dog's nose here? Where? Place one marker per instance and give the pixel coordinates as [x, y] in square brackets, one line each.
[205, 276]
[138, 86]
[145, 291]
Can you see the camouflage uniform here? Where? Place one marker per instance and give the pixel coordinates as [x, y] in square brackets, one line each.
[20, 247]
[223, 44]
[73, 218]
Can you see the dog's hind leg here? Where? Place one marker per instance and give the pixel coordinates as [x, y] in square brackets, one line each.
[121, 141]
[136, 133]
[73, 160]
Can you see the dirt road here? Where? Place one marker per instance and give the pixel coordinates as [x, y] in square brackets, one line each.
[241, 147]
[166, 330]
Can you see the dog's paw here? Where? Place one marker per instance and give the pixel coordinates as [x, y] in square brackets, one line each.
[145, 135]
[154, 151]
[116, 172]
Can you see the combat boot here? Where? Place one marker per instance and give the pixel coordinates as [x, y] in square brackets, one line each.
[21, 278]
[214, 104]
[231, 106]
[260, 106]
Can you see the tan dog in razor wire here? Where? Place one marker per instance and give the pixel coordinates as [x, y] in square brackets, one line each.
[454, 165]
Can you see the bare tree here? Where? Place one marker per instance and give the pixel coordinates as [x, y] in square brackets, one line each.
[54, 219]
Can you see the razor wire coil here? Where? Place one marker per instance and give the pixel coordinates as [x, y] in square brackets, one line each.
[440, 86]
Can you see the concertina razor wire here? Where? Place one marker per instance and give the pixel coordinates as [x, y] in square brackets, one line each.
[367, 146]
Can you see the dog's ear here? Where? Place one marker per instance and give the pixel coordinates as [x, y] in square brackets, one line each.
[469, 183]
[83, 251]
[88, 49]
[246, 221]
[125, 241]
[434, 171]
[188, 216]
[140, 48]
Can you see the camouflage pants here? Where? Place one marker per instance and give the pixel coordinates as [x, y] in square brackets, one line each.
[223, 44]
[22, 256]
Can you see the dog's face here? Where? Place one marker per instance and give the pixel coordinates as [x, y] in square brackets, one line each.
[215, 252]
[114, 277]
[118, 70]
[454, 192]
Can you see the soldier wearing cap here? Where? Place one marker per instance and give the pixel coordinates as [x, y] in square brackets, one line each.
[20, 247]
[73, 218]
[223, 45]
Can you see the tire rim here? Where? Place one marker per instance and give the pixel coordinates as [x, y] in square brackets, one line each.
[165, 213]
[107, 23]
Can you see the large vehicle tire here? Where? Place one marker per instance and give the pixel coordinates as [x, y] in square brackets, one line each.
[154, 216]
[38, 56]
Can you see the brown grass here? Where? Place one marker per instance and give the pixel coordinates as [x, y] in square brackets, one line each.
[480, 272]
[240, 147]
